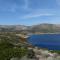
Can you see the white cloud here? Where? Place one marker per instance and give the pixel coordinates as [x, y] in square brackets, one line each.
[35, 15]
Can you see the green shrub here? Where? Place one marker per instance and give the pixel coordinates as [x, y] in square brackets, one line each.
[8, 51]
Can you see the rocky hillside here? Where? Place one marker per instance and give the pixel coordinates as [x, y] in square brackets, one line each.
[44, 28]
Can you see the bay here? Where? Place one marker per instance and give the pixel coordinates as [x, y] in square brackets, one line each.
[49, 41]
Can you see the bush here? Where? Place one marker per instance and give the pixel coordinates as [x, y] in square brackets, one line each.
[7, 51]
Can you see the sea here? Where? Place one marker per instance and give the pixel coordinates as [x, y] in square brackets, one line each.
[48, 41]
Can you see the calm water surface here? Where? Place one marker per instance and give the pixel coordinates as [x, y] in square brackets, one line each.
[50, 41]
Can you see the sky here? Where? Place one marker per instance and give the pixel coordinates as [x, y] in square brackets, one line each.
[29, 12]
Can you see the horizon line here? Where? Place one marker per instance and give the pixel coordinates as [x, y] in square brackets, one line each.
[29, 25]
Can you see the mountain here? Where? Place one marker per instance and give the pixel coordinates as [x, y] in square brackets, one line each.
[44, 28]
[12, 28]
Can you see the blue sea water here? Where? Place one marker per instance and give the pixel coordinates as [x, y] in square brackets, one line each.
[49, 41]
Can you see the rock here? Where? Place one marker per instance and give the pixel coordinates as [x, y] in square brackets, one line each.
[15, 59]
[58, 58]
[50, 58]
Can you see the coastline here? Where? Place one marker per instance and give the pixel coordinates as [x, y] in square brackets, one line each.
[46, 33]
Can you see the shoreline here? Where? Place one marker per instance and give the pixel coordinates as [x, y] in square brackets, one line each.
[46, 33]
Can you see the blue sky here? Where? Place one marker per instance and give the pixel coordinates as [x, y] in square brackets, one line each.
[29, 12]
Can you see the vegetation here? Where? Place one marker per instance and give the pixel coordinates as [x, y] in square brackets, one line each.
[8, 50]
[55, 51]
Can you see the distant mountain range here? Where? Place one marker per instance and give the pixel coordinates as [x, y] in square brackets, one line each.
[44, 28]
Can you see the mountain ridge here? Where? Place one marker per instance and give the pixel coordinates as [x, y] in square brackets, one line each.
[44, 27]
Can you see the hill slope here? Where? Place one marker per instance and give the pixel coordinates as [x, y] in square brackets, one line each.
[45, 28]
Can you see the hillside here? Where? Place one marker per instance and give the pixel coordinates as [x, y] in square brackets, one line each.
[45, 28]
